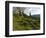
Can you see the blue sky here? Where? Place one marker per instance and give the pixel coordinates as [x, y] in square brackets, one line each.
[32, 10]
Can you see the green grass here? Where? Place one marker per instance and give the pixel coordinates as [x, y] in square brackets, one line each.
[24, 23]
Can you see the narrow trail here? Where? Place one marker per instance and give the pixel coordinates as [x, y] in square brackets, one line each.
[33, 25]
[29, 23]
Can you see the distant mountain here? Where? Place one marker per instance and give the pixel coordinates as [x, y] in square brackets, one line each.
[36, 16]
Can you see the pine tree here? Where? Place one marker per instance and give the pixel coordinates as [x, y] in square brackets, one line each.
[30, 14]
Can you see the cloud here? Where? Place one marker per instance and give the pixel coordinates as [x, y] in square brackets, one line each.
[32, 10]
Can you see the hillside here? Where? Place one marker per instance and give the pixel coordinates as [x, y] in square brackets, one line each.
[24, 22]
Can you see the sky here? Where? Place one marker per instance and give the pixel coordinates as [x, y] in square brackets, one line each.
[28, 10]
[32, 10]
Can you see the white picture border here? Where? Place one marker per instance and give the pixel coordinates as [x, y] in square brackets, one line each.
[11, 32]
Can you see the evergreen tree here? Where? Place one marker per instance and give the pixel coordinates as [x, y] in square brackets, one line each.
[30, 14]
